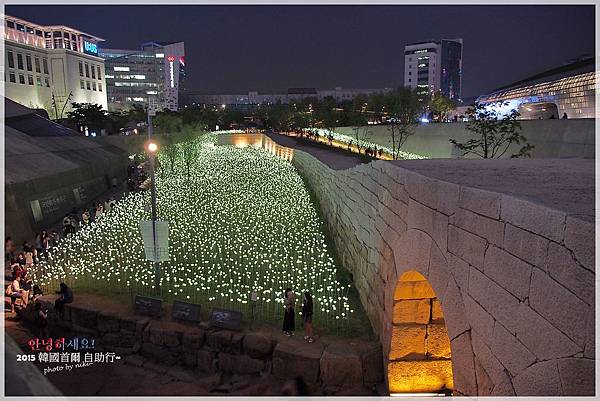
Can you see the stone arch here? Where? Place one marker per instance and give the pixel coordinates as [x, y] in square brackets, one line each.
[418, 259]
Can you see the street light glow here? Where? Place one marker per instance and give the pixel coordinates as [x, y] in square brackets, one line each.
[152, 147]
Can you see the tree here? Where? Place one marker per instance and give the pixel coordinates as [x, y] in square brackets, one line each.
[190, 149]
[403, 108]
[167, 122]
[361, 135]
[494, 133]
[441, 105]
[88, 115]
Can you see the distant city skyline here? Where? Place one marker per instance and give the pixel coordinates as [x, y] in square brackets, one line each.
[237, 49]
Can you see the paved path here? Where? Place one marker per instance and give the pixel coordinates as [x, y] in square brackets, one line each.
[336, 159]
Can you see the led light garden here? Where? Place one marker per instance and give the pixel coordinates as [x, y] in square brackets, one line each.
[242, 222]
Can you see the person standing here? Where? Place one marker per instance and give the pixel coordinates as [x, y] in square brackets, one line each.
[41, 320]
[307, 316]
[66, 297]
[288, 318]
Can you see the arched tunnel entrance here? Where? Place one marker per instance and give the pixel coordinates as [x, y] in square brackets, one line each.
[420, 359]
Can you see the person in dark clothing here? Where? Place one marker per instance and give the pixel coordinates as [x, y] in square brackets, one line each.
[307, 316]
[552, 117]
[41, 320]
[66, 297]
[288, 318]
[565, 116]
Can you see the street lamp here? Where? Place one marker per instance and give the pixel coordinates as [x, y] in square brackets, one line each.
[152, 147]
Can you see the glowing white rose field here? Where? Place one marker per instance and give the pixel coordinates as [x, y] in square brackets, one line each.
[244, 221]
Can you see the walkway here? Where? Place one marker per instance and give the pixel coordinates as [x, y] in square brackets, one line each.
[336, 159]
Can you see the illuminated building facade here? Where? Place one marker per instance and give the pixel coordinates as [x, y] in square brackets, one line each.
[434, 65]
[50, 67]
[155, 73]
[251, 100]
[569, 89]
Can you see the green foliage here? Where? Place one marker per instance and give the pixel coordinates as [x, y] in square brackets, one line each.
[494, 134]
[88, 115]
[441, 106]
[167, 122]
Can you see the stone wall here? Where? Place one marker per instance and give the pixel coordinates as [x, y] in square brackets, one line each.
[186, 349]
[551, 138]
[515, 279]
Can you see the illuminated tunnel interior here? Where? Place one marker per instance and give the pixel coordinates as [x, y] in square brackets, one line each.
[420, 357]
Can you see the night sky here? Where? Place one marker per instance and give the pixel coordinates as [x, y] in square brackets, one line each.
[234, 49]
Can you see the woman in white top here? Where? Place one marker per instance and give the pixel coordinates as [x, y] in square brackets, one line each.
[17, 292]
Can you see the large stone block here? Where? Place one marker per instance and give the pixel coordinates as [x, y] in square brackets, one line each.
[510, 272]
[479, 319]
[408, 342]
[540, 337]
[413, 290]
[580, 238]
[438, 342]
[412, 252]
[107, 323]
[372, 363]
[562, 267]
[340, 366]
[540, 379]
[467, 246]
[168, 356]
[294, 358]
[480, 201]
[548, 223]
[84, 316]
[193, 340]
[485, 385]
[412, 311]
[577, 376]
[525, 245]
[559, 306]
[459, 270]
[419, 376]
[428, 220]
[463, 366]
[490, 229]
[240, 364]
[495, 370]
[513, 355]
[454, 311]
[437, 313]
[219, 340]
[438, 195]
[205, 360]
[257, 345]
[494, 299]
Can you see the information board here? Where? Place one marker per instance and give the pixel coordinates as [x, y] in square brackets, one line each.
[225, 319]
[148, 306]
[186, 311]
[160, 251]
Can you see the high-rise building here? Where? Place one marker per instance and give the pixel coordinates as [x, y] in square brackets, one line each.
[153, 74]
[51, 67]
[434, 65]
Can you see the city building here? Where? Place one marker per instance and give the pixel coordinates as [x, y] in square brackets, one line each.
[568, 89]
[434, 65]
[154, 74]
[50, 67]
[249, 101]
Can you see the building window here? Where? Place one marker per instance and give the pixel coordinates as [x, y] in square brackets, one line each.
[38, 69]
[81, 84]
[11, 60]
[99, 87]
[93, 72]
[80, 69]
[19, 61]
[10, 24]
[47, 82]
[12, 78]
[99, 73]
[87, 70]
[30, 79]
[22, 79]
[45, 65]
[38, 81]
[87, 84]
[94, 85]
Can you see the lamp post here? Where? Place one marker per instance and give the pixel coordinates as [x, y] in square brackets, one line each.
[152, 148]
